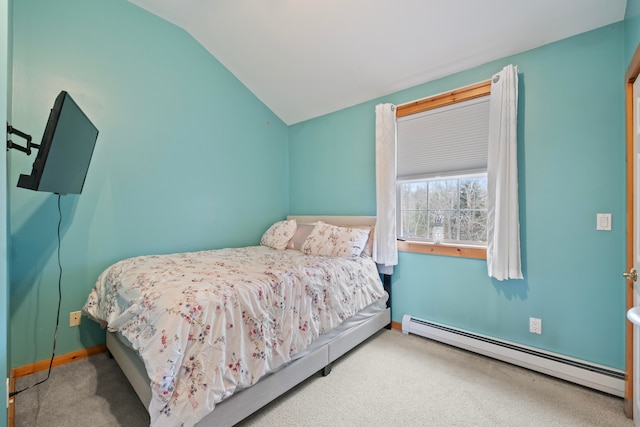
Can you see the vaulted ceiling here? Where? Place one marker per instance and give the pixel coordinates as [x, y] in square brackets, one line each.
[306, 58]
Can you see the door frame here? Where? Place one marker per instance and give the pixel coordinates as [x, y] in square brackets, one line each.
[632, 73]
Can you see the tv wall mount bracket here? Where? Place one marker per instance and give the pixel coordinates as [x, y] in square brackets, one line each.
[11, 144]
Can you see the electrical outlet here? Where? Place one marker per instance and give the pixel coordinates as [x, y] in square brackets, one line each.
[74, 318]
[535, 325]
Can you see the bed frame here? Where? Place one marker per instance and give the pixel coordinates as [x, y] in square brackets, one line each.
[245, 402]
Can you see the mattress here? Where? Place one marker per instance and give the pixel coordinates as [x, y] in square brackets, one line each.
[358, 319]
[212, 322]
[243, 403]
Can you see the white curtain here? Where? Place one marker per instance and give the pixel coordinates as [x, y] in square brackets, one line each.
[503, 225]
[385, 249]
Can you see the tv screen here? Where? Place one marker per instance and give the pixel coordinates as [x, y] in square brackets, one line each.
[65, 151]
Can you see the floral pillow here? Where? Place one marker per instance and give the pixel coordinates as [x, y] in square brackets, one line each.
[332, 240]
[279, 234]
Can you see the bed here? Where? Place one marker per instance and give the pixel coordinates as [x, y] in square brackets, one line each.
[181, 348]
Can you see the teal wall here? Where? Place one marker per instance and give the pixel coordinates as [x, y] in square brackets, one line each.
[187, 158]
[4, 289]
[631, 28]
[571, 167]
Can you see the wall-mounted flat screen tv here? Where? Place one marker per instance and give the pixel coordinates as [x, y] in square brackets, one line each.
[65, 151]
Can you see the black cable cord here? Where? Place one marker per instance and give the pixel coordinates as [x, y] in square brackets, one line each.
[55, 334]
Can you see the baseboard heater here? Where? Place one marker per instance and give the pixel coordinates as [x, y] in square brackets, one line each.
[577, 371]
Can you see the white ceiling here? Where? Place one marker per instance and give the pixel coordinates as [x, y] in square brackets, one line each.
[306, 58]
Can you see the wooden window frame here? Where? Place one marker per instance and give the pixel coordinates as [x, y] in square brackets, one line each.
[437, 101]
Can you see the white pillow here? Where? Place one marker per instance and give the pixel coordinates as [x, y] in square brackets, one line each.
[301, 234]
[279, 234]
[332, 240]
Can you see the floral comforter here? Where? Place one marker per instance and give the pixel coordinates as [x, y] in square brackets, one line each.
[212, 322]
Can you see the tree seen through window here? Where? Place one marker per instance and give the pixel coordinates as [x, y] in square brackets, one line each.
[461, 203]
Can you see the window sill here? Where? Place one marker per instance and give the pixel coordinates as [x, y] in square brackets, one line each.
[461, 251]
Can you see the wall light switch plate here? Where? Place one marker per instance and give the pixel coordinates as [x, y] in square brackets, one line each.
[603, 222]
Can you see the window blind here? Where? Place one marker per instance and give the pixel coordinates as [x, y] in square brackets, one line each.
[445, 141]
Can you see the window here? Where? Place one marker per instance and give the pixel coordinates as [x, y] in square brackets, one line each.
[457, 203]
[442, 167]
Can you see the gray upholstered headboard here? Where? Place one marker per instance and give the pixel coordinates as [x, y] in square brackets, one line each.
[335, 220]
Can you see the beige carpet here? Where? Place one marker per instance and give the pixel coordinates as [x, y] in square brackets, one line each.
[391, 380]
